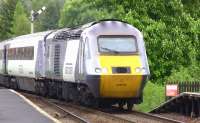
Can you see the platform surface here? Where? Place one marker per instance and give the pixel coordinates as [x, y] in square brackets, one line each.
[15, 109]
[187, 104]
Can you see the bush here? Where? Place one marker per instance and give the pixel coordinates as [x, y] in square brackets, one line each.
[154, 95]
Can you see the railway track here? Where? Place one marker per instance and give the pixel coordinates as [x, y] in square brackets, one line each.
[80, 114]
[124, 116]
[142, 117]
[55, 110]
[76, 117]
[127, 116]
[89, 115]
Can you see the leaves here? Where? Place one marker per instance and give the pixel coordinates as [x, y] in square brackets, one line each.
[21, 24]
[7, 8]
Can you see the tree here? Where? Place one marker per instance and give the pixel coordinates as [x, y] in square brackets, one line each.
[7, 8]
[21, 24]
[49, 19]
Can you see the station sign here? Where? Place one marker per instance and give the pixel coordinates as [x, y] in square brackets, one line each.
[172, 90]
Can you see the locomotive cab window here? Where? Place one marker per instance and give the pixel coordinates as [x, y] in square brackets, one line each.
[117, 44]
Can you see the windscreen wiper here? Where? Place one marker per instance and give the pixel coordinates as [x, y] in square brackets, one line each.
[110, 50]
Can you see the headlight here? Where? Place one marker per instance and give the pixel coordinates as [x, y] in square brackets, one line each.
[138, 69]
[98, 70]
[101, 70]
[143, 70]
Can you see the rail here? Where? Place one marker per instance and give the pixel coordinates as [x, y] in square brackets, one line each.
[82, 120]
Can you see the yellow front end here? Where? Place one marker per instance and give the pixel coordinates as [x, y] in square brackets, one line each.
[120, 85]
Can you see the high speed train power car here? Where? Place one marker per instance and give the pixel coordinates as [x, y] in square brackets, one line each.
[102, 62]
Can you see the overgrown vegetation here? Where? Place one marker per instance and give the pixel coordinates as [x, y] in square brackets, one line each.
[154, 95]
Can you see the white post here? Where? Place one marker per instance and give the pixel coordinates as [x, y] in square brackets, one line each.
[32, 21]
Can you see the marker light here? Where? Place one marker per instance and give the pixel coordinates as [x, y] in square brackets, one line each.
[104, 70]
[140, 69]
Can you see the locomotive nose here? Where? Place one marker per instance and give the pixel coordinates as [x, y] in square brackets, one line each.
[121, 81]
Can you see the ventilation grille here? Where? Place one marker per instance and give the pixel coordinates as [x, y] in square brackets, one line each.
[121, 70]
[57, 60]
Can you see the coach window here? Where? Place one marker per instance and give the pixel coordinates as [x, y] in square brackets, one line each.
[8, 54]
[19, 54]
[11, 54]
[26, 52]
[14, 54]
[1, 55]
[31, 53]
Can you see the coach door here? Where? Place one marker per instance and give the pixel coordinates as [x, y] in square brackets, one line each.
[80, 61]
[5, 58]
[71, 60]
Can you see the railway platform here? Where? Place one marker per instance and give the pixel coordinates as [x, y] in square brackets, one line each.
[185, 104]
[15, 108]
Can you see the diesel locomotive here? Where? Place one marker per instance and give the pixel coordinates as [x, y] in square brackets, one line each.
[99, 63]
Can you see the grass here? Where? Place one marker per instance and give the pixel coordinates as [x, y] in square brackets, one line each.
[154, 95]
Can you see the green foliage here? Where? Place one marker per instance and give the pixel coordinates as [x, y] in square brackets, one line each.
[190, 73]
[21, 24]
[192, 7]
[49, 19]
[7, 8]
[71, 16]
[51, 16]
[154, 95]
[87, 11]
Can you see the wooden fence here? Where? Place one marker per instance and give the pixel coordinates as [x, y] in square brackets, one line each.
[184, 87]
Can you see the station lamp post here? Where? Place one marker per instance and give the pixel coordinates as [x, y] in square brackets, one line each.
[34, 16]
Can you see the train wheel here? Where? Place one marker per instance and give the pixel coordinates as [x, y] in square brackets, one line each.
[121, 104]
[86, 97]
[37, 89]
[105, 104]
[13, 83]
[59, 91]
[65, 91]
[130, 105]
[43, 89]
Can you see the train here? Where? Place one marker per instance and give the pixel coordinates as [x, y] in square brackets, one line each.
[99, 63]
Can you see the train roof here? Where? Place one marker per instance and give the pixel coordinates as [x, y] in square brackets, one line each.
[38, 35]
[65, 33]
[73, 33]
